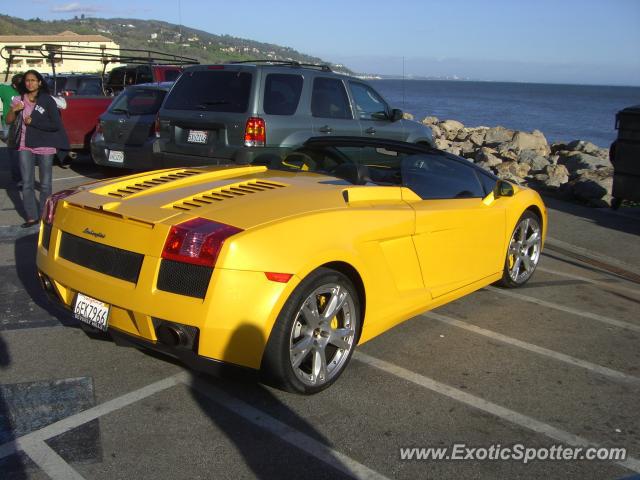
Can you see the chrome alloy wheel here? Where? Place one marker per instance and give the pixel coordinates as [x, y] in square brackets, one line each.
[323, 334]
[524, 249]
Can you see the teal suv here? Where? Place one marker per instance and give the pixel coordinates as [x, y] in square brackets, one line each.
[221, 113]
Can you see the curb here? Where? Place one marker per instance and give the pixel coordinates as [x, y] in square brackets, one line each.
[610, 264]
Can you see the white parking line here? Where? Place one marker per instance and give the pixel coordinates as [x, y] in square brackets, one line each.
[73, 421]
[54, 466]
[499, 411]
[533, 348]
[297, 439]
[88, 179]
[562, 308]
[50, 462]
[69, 178]
[600, 283]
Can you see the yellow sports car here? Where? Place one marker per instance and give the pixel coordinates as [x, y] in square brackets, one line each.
[282, 265]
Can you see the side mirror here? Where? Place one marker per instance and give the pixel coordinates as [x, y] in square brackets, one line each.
[502, 189]
[396, 114]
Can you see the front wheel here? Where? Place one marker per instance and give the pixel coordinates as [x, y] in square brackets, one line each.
[315, 334]
[524, 251]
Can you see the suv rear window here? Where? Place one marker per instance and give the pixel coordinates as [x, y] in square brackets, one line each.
[138, 101]
[282, 93]
[211, 91]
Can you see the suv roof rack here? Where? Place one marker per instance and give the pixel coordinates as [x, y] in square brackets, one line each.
[133, 56]
[292, 63]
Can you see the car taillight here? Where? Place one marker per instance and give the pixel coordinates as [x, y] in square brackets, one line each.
[67, 93]
[255, 132]
[155, 128]
[197, 241]
[52, 201]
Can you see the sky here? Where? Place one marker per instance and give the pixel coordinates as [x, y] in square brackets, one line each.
[546, 41]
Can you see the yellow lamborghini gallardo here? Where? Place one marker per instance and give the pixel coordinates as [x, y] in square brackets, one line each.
[283, 264]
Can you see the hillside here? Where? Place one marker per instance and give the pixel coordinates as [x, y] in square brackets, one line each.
[163, 37]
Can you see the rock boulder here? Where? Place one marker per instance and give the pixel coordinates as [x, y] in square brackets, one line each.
[497, 135]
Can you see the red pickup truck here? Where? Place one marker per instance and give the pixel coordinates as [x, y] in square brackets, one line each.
[81, 117]
[121, 77]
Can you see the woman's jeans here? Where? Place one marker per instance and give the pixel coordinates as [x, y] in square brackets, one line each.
[27, 169]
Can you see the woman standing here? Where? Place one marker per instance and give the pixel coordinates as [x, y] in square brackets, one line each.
[40, 133]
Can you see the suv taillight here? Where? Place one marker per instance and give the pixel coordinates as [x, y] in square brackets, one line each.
[52, 201]
[197, 241]
[255, 132]
[155, 128]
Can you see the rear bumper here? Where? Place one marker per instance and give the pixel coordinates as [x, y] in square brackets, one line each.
[172, 160]
[233, 320]
[186, 357]
[135, 157]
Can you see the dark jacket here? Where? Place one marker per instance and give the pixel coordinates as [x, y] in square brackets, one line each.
[46, 129]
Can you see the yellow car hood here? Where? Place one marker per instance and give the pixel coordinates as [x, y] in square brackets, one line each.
[240, 196]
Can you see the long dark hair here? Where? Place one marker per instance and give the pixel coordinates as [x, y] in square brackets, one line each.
[22, 87]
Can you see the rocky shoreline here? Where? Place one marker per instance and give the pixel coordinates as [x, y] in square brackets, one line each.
[577, 170]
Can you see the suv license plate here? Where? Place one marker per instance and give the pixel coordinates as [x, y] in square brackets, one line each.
[91, 311]
[197, 136]
[116, 157]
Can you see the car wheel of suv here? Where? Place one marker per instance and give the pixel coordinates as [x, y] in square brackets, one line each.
[314, 335]
[523, 252]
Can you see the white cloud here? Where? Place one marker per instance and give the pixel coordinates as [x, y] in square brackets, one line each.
[75, 7]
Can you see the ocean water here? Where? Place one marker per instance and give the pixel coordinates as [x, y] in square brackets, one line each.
[562, 112]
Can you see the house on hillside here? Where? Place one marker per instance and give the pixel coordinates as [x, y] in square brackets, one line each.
[67, 41]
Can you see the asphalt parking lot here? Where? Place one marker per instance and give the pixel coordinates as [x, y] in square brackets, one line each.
[556, 363]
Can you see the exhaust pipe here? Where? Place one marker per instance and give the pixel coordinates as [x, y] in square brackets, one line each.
[49, 288]
[172, 335]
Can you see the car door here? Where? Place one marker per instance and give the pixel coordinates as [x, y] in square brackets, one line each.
[331, 109]
[374, 114]
[459, 234]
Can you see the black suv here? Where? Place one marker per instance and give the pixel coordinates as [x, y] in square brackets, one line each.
[213, 111]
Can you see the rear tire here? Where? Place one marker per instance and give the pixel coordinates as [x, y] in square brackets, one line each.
[523, 252]
[315, 334]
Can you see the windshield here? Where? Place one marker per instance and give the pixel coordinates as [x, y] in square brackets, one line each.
[430, 173]
[211, 91]
[138, 101]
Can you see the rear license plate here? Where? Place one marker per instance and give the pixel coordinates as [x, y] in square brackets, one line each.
[197, 136]
[91, 311]
[116, 157]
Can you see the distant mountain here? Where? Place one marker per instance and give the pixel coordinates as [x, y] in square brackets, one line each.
[164, 37]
